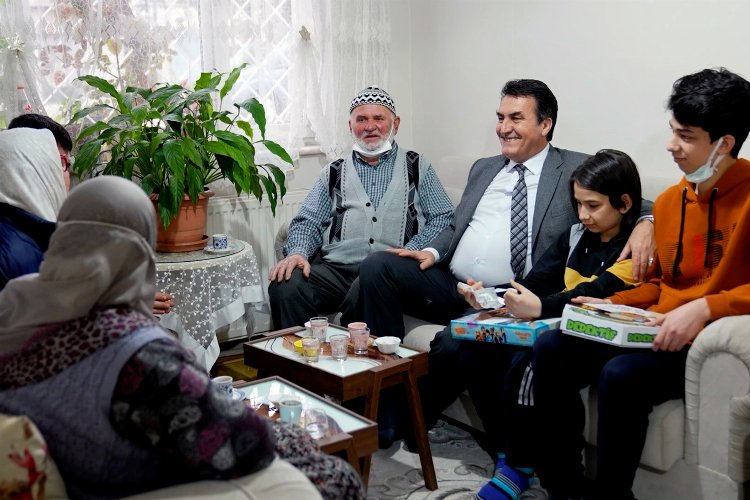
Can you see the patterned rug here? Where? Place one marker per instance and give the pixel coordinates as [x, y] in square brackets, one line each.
[462, 467]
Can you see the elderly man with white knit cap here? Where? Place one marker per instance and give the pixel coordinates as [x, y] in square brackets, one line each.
[377, 197]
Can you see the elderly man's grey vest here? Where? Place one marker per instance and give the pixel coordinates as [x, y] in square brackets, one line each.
[73, 407]
[358, 229]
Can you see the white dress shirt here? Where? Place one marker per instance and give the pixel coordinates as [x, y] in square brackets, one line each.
[483, 254]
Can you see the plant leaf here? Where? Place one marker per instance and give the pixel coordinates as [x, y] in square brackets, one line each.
[166, 210]
[198, 95]
[255, 108]
[162, 96]
[173, 155]
[245, 127]
[277, 150]
[190, 151]
[176, 164]
[120, 119]
[223, 117]
[225, 165]
[231, 80]
[203, 81]
[156, 140]
[170, 197]
[87, 111]
[270, 190]
[103, 86]
[238, 147]
[93, 129]
[280, 178]
[138, 114]
[194, 181]
[128, 167]
[243, 181]
[236, 140]
[87, 155]
[217, 147]
[148, 184]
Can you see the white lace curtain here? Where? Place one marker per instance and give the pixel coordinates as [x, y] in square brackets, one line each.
[305, 83]
[18, 85]
[343, 48]
[52, 42]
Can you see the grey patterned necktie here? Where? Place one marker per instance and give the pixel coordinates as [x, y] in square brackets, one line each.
[519, 224]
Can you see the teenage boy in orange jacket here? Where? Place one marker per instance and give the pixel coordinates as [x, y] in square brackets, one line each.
[701, 273]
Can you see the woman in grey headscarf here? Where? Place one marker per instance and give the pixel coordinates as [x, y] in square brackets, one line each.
[32, 189]
[123, 406]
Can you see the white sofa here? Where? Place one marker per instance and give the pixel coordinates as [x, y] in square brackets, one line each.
[278, 480]
[696, 450]
[26, 468]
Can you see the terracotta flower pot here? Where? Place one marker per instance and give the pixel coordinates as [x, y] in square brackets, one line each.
[186, 231]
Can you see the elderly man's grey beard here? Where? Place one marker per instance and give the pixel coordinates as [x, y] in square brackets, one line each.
[369, 147]
[378, 148]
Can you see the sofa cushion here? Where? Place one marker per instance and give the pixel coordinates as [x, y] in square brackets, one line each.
[419, 333]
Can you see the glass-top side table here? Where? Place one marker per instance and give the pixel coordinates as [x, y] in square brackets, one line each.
[354, 377]
[283, 345]
[260, 391]
[355, 435]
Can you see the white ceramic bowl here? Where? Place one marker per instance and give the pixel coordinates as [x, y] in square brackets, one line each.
[387, 345]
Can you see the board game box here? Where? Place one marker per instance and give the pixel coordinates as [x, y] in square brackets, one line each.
[610, 323]
[500, 327]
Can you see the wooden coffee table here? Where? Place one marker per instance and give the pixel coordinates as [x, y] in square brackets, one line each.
[364, 375]
[349, 433]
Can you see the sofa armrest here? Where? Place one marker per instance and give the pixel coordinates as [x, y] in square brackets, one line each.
[717, 403]
[280, 240]
[278, 480]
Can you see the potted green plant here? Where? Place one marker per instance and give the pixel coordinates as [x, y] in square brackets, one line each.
[174, 142]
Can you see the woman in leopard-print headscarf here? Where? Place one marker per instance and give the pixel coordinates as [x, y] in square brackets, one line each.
[123, 406]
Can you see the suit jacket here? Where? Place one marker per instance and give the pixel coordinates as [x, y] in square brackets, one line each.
[553, 212]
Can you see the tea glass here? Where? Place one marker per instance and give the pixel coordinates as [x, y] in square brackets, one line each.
[360, 338]
[339, 346]
[311, 349]
[316, 422]
[319, 327]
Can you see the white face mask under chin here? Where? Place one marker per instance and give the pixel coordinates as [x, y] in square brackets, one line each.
[705, 171]
[384, 147]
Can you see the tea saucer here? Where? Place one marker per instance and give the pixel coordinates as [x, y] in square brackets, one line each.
[229, 248]
[238, 394]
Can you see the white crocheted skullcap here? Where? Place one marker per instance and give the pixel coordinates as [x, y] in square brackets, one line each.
[373, 95]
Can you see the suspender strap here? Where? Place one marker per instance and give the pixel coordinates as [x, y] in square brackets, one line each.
[412, 218]
[334, 191]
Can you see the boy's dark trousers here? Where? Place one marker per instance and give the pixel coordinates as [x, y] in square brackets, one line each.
[628, 382]
[494, 373]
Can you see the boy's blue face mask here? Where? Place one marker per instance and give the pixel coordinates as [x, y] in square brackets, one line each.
[705, 171]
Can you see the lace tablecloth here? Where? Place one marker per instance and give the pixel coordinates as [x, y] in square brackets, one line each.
[210, 290]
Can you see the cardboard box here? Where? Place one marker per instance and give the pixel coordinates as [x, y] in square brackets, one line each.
[500, 327]
[610, 323]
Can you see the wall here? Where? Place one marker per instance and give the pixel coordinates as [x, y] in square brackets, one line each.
[611, 64]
